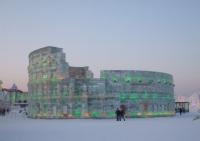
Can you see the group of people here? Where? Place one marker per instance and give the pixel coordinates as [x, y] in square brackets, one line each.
[3, 111]
[120, 114]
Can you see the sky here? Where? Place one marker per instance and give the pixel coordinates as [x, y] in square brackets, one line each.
[154, 35]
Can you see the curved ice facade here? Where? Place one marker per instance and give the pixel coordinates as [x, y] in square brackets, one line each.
[144, 93]
[57, 90]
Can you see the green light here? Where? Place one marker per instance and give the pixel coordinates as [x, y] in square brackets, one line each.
[122, 97]
[77, 113]
[110, 114]
[133, 97]
[133, 114]
[145, 95]
[138, 79]
[114, 78]
[65, 93]
[94, 114]
[127, 79]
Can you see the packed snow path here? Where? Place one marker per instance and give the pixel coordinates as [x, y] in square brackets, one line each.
[184, 128]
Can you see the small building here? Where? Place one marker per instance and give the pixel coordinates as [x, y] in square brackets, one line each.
[4, 102]
[15, 97]
[185, 106]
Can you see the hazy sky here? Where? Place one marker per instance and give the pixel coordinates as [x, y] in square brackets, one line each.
[155, 35]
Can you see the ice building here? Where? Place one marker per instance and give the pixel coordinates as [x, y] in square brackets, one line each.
[58, 90]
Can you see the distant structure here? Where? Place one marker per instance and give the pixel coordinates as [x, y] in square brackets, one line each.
[182, 102]
[194, 100]
[4, 103]
[57, 90]
[190, 103]
[17, 97]
[12, 97]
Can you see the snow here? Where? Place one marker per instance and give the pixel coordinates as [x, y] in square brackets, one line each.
[178, 128]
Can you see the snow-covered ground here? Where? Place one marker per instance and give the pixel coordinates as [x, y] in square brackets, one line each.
[15, 127]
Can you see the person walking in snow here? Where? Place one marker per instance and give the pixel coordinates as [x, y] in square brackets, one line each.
[180, 111]
[4, 112]
[122, 112]
[118, 114]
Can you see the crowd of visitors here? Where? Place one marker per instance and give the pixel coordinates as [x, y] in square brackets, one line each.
[120, 113]
[4, 111]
